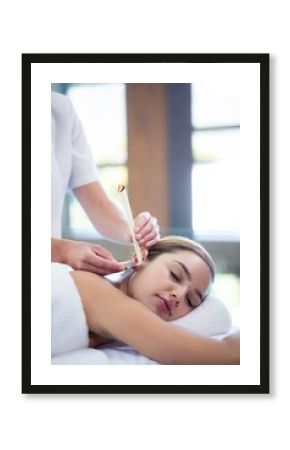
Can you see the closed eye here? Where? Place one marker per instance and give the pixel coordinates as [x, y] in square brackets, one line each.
[189, 302]
[177, 279]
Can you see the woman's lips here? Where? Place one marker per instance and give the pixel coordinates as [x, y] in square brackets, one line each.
[165, 305]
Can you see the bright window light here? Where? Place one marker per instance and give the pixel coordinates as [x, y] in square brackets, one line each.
[102, 110]
[211, 107]
[216, 168]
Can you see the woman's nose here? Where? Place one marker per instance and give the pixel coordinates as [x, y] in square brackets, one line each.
[175, 299]
[178, 294]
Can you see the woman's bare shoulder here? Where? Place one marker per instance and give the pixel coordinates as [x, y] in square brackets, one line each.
[110, 312]
[88, 282]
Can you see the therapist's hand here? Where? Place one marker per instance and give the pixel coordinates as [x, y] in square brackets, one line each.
[85, 256]
[147, 230]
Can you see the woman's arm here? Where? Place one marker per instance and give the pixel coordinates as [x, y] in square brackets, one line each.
[112, 314]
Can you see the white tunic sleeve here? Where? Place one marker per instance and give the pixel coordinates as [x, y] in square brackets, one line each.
[83, 167]
[72, 164]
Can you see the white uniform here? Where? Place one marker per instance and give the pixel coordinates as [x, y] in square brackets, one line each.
[71, 159]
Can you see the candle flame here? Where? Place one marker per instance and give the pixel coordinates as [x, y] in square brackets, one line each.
[121, 187]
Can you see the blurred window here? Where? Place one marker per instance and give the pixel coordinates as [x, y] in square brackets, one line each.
[216, 183]
[102, 110]
[216, 165]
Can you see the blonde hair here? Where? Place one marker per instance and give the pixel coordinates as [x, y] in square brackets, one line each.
[171, 244]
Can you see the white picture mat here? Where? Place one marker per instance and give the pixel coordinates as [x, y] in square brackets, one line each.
[239, 79]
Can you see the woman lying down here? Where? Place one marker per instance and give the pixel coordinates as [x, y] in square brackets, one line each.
[174, 279]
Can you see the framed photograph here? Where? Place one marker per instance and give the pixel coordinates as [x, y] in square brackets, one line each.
[187, 138]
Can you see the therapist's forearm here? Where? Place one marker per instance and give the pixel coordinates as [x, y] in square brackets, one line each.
[58, 249]
[110, 222]
[104, 214]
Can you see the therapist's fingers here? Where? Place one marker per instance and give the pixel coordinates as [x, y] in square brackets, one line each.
[91, 257]
[99, 250]
[149, 234]
[94, 269]
[141, 220]
[144, 223]
[104, 265]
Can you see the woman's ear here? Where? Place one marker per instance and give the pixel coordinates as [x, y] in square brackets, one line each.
[132, 264]
[138, 267]
[134, 258]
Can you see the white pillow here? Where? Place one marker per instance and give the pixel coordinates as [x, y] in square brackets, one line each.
[210, 318]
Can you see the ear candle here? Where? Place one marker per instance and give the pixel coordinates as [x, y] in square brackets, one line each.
[124, 197]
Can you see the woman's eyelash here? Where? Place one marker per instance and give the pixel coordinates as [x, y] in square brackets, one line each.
[174, 276]
[189, 302]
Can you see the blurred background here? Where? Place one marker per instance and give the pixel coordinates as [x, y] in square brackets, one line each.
[177, 148]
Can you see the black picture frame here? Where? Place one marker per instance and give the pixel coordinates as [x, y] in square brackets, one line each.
[263, 61]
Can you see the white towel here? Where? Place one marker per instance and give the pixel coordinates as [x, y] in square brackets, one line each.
[68, 322]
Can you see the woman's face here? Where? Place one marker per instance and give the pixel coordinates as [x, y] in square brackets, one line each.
[171, 285]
